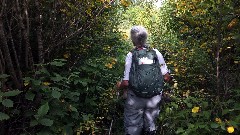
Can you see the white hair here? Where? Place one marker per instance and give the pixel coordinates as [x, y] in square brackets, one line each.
[138, 35]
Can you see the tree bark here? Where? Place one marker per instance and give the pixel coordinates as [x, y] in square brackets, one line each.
[16, 60]
[219, 45]
[26, 34]
[38, 20]
[7, 55]
[28, 59]
[1, 70]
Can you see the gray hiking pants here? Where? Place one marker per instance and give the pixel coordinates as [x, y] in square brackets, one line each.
[140, 113]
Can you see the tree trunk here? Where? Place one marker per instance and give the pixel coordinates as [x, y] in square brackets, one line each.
[7, 56]
[25, 33]
[1, 70]
[219, 45]
[16, 62]
[38, 20]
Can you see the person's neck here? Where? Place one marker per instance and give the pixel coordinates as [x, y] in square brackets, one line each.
[139, 46]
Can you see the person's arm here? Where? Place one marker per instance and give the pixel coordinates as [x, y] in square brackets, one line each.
[128, 62]
[166, 76]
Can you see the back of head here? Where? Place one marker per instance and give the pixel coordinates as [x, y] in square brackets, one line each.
[139, 36]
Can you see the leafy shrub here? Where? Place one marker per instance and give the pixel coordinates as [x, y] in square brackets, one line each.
[199, 113]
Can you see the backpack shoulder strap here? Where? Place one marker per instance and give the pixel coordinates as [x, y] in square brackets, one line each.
[155, 55]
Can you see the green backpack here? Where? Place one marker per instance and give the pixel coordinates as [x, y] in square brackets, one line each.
[145, 77]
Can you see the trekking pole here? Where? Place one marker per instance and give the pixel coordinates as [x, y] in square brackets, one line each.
[110, 129]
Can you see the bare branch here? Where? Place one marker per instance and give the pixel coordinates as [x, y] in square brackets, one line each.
[2, 9]
[79, 30]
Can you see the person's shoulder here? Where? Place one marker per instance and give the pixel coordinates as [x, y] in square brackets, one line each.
[129, 54]
[157, 52]
[155, 49]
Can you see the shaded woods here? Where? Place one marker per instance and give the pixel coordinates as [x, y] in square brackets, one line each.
[60, 60]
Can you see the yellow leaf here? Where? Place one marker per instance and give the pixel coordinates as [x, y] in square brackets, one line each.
[218, 120]
[186, 94]
[176, 70]
[46, 83]
[232, 23]
[195, 109]
[204, 45]
[208, 50]
[89, 11]
[109, 65]
[197, 28]
[175, 85]
[230, 129]
[26, 83]
[66, 55]
[125, 3]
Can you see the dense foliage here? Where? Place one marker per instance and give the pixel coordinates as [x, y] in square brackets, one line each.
[205, 58]
[60, 60]
[59, 65]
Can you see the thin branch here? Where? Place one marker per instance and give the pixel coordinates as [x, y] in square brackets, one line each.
[79, 30]
[2, 5]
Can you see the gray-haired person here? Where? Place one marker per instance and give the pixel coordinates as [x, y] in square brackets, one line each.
[141, 111]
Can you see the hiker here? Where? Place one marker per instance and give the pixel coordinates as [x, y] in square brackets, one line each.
[145, 71]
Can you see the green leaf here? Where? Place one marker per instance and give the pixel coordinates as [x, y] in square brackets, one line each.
[179, 130]
[33, 123]
[225, 111]
[206, 114]
[58, 62]
[2, 76]
[233, 123]
[189, 105]
[7, 103]
[29, 96]
[44, 132]
[36, 82]
[84, 83]
[236, 36]
[214, 125]
[56, 94]
[46, 122]
[85, 117]
[205, 104]
[223, 126]
[57, 77]
[3, 116]
[201, 126]
[11, 93]
[43, 110]
[73, 108]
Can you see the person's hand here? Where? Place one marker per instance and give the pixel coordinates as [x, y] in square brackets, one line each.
[121, 89]
[167, 78]
[122, 85]
[118, 85]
